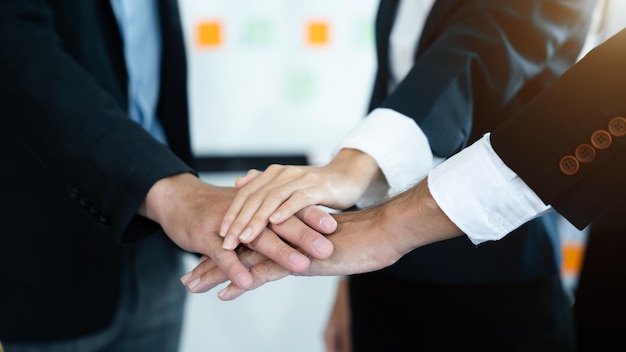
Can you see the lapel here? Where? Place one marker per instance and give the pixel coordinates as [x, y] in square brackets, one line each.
[436, 20]
[385, 17]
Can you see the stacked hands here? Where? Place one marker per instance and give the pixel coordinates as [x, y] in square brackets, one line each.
[274, 228]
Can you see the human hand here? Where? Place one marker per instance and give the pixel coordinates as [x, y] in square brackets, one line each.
[365, 240]
[208, 274]
[279, 192]
[358, 247]
[190, 211]
[338, 334]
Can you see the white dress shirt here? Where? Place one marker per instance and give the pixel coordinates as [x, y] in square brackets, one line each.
[394, 140]
[480, 194]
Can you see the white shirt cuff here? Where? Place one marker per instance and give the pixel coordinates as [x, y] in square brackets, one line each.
[399, 147]
[481, 195]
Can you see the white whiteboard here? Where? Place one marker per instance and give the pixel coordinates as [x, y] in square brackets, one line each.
[263, 87]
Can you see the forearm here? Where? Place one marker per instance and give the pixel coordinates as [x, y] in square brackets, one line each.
[414, 219]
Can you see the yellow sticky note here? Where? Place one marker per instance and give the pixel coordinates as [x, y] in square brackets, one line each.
[209, 34]
[317, 33]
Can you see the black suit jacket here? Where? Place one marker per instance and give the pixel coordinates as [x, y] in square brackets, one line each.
[75, 167]
[562, 118]
[476, 62]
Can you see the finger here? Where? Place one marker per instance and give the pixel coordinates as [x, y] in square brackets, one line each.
[244, 205]
[257, 200]
[206, 275]
[302, 236]
[226, 260]
[205, 264]
[281, 202]
[318, 219]
[262, 273]
[239, 200]
[274, 248]
[249, 176]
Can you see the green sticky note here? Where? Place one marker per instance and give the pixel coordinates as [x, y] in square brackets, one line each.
[300, 86]
[364, 32]
[258, 32]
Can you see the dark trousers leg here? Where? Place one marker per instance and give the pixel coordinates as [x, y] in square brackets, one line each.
[600, 298]
[389, 314]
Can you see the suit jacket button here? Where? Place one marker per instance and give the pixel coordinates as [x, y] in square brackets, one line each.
[617, 126]
[601, 139]
[569, 165]
[74, 193]
[103, 219]
[585, 153]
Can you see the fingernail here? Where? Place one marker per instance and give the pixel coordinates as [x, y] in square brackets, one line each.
[193, 284]
[243, 280]
[298, 260]
[229, 243]
[246, 234]
[203, 258]
[185, 278]
[322, 246]
[222, 292]
[224, 229]
[275, 217]
[328, 222]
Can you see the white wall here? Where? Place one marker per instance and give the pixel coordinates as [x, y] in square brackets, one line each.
[264, 88]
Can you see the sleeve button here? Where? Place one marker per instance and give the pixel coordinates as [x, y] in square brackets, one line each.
[617, 126]
[103, 219]
[601, 139]
[585, 153]
[569, 165]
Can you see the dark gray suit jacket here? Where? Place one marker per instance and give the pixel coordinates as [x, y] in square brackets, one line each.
[477, 61]
[75, 167]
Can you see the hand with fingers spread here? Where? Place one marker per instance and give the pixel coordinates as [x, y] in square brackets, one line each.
[189, 211]
[279, 192]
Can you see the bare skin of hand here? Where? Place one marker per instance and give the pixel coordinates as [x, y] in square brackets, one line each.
[279, 192]
[365, 241]
[190, 210]
[338, 331]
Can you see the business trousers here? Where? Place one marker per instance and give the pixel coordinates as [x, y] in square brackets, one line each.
[600, 298]
[150, 314]
[391, 314]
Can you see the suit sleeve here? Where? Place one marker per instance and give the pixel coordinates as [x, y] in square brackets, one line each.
[58, 114]
[484, 52]
[585, 108]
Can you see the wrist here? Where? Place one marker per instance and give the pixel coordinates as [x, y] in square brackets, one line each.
[357, 167]
[416, 219]
[161, 196]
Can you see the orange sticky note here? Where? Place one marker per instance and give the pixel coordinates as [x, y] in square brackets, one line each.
[209, 34]
[573, 255]
[317, 33]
